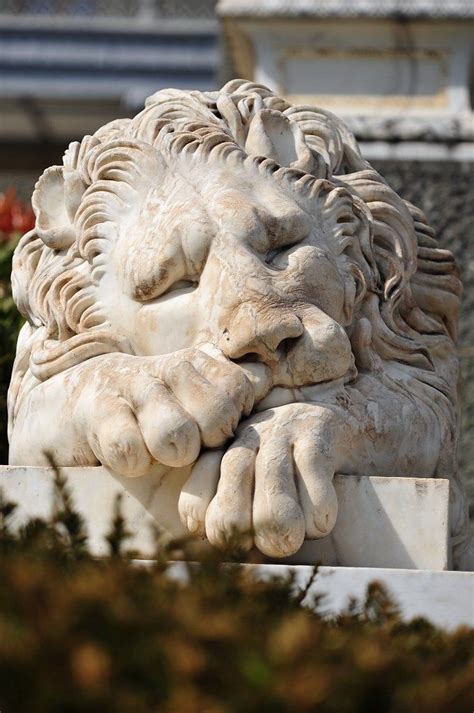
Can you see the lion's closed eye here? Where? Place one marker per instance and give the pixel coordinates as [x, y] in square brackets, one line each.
[273, 257]
[188, 284]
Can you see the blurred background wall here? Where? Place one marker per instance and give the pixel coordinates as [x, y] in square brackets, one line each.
[400, 73]
[69, 66]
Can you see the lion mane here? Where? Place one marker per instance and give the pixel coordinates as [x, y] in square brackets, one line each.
[409, 291]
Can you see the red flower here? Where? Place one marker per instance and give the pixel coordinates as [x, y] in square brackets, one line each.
[15, 216]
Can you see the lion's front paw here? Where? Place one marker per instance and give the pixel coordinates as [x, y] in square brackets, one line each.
[274, 484]
[140, 411]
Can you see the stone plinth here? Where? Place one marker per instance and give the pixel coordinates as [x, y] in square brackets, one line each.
[385, 522]
[444, 598]
[382, 522]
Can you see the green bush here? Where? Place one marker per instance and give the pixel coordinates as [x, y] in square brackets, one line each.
[78, 634]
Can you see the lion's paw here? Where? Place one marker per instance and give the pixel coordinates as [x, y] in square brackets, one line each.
[272, 488]
[140, 411]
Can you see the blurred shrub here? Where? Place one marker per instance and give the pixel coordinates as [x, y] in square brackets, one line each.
[78, 634]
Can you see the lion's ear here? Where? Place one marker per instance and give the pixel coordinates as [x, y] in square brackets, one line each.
[55, 200]
[274, 136]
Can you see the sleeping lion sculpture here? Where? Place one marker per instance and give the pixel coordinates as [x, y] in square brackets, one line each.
[223, 285]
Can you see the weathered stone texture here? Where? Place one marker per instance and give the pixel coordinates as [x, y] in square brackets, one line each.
[248, 326]
[401, 523]
[445, 192]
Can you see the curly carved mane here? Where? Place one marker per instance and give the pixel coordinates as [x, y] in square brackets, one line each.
[406, 308]
[409, 299]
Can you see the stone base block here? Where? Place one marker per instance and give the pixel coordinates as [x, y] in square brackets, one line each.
[386, 522]
[444, 598]
[382, 522]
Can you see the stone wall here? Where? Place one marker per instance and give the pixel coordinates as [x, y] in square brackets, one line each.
[445, 192]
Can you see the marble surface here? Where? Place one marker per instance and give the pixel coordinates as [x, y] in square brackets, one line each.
[444, 598]
[222, 293]
[382, 522]
[400, 522]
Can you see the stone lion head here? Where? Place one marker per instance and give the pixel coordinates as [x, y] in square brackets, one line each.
[211, 167]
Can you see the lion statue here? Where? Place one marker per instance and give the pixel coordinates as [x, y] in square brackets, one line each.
[223, 285]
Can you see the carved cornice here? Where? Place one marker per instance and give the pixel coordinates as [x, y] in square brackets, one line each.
[433, 129]
[426, 9]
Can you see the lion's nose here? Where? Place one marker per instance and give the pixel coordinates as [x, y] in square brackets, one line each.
[323, 353]
[259, 332]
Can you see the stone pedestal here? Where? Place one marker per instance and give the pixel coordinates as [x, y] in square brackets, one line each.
[382, 522]
[393, 530]
[385, 522]
[444, 598]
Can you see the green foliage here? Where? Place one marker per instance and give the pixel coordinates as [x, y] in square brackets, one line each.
[81, 635]
[119, 532]
[10, 323]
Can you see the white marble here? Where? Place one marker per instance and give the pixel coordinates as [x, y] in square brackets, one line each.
[382, 522]
[145, 502]
[444, 598]
[221, 292]
[400, 522]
